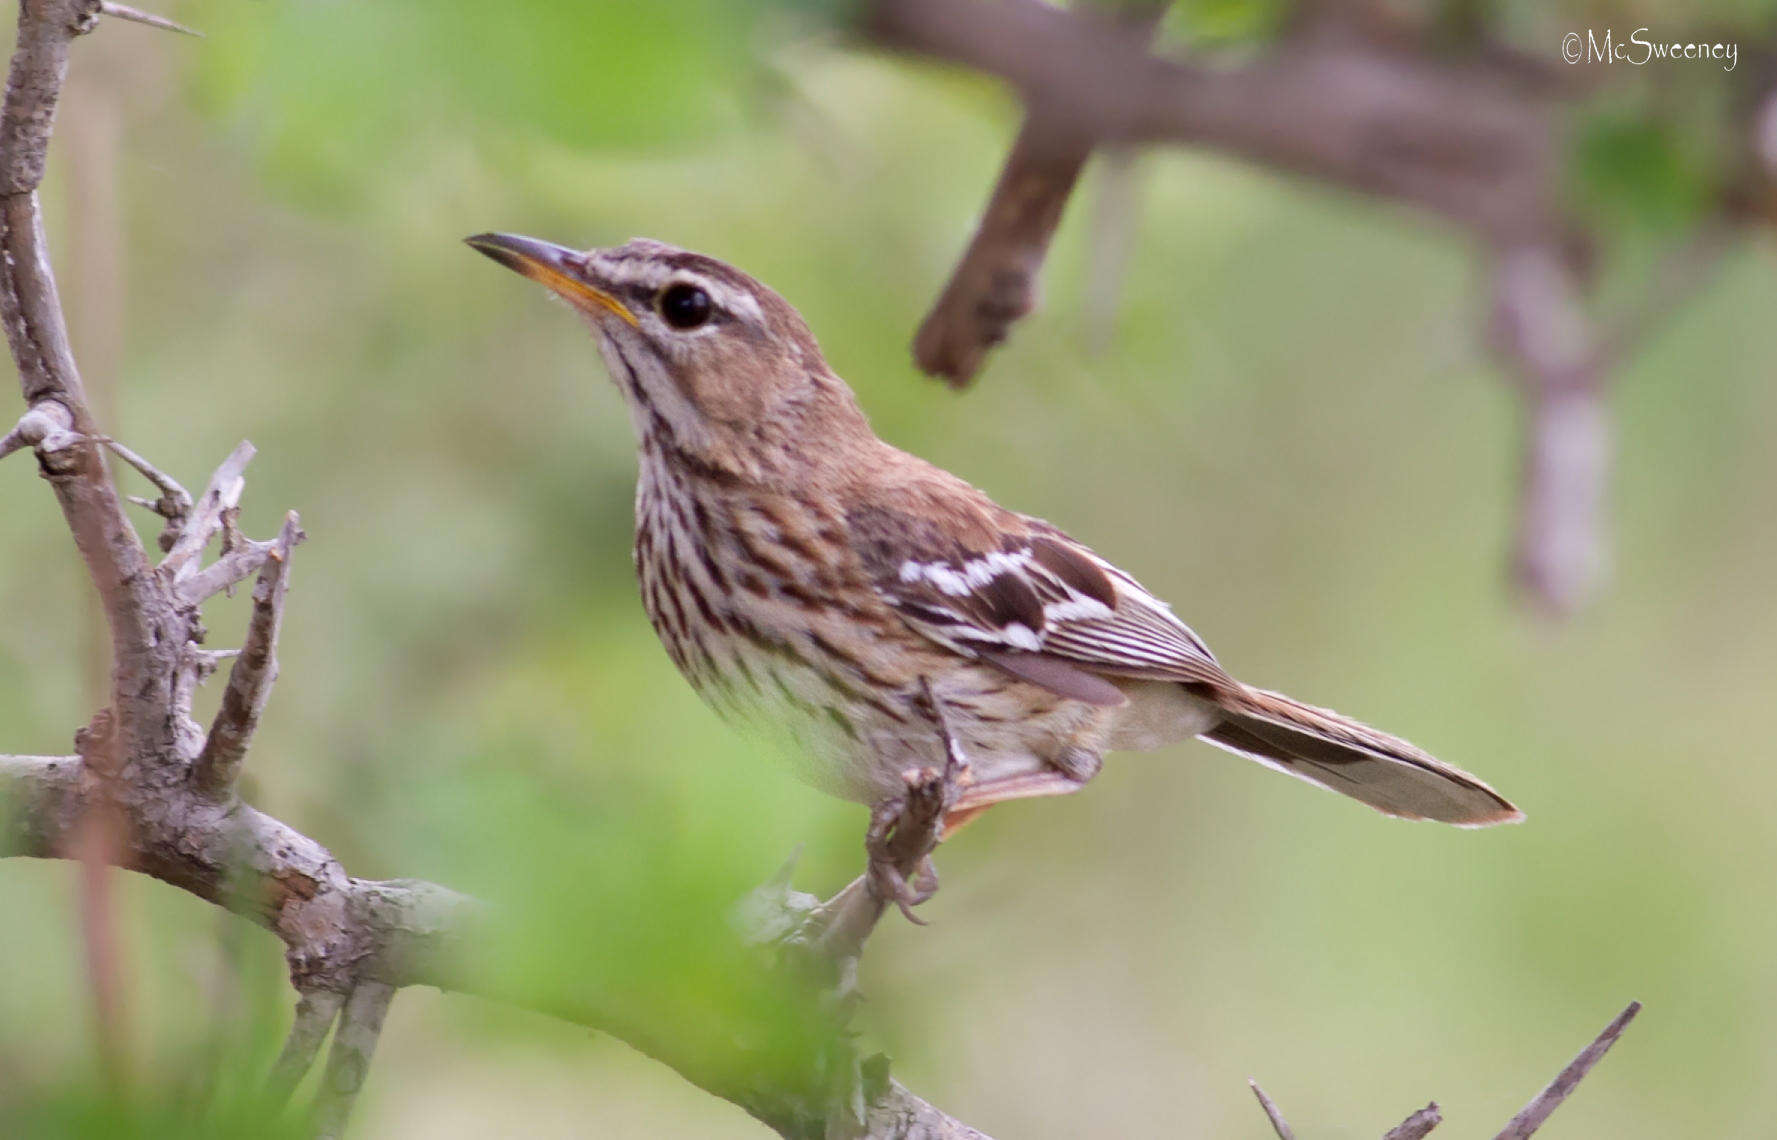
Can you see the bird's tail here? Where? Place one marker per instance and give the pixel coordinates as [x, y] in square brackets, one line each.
[1324, 748]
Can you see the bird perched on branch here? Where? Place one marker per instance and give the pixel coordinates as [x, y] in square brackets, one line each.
[804, 573]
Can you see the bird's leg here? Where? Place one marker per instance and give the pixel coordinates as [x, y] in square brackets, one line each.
[904, 828]
[912, 824]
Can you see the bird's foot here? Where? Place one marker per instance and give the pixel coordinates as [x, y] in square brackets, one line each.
[903, 831]
[905, 828]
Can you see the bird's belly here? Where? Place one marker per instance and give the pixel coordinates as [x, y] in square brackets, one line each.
[858, 742]
[830, 672]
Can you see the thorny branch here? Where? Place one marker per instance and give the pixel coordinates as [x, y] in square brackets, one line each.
[1352, 100]
[1533, 1114]
[1420, 1123]
[350, 943]
[1278, 1124]
[250, 681]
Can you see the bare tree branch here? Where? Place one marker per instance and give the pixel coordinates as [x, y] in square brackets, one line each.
[37, 333]
[995, 282]
[255, 670]
[149, 19]
[348, 1062]
[349, 943]
[1278, 1124]
[1467, 138]
[1418, 1125]
[341, 932]
[1474, 138]
[227, 572]
[1531, 1118]
[316, 1011]
[1543, 332]
[176, 496]
[221, 495]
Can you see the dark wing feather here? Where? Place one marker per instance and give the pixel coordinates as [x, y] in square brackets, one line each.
[1057, 676]
[1031, 601]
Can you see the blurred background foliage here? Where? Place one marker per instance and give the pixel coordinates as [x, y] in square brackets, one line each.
[1291, 433]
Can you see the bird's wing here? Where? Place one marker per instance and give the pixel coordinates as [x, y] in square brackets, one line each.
[1027, 598]
[1019, 594]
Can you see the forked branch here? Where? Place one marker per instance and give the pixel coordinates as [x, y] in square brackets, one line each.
[316, 1011]
[350, 943]
[1355, 101]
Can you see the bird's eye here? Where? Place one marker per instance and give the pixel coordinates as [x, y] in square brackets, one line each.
[684, 306]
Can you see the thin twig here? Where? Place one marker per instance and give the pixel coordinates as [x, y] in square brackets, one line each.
[250, 680]
[1543, 332]
[195, 667]
[174, 504]
[354, 1045]
[137, 16]
[232, 568]
[168, 486]
[1531, 1118]
[995, 281]
[316, 1011]
[1278, 1124]
[1417, 1126]
[223, 493]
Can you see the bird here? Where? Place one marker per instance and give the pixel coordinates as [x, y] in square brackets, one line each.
[806, 576]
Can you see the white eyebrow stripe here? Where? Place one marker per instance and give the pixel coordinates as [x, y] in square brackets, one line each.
[651, 277]
[737, 301]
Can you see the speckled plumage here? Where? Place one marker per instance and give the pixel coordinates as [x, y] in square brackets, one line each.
[808, 577]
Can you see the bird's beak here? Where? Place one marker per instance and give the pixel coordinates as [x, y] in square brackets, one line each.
[551, 265]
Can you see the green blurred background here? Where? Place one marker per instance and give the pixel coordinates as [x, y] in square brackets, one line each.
[1290, 431]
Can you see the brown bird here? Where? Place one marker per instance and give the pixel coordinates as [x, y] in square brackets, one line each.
[804, 574]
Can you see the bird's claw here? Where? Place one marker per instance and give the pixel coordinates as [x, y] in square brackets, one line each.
[903, 831]
[887, 882]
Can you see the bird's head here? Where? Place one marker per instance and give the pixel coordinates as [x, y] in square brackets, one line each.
[711, 361]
